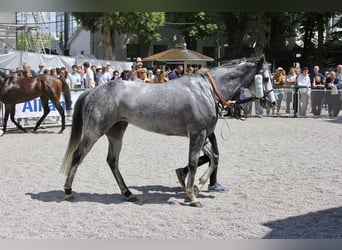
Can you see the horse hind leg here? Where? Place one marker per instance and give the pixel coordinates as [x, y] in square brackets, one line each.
[82, 150]
[61, 113]
[115, 135]
[46, 108]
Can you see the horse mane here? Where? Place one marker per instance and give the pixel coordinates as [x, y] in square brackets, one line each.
[233, 62]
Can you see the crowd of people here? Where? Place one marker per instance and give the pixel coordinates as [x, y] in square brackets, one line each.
[304, 90]
[307, 91]
[91, 76]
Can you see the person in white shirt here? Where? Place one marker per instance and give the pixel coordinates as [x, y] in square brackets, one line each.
[89, 75]
[304, 82]
[105, 76]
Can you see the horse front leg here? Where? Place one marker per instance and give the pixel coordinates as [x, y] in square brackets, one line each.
[11, 109]
[4, 123]
[196, 144]
[210, 150]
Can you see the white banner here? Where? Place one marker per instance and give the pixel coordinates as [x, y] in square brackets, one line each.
[34, 107]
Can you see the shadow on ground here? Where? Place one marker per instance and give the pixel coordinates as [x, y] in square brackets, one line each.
[154, 194]
[324, 224]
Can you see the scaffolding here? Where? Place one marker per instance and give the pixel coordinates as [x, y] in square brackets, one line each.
[35, 31]
[40, 42]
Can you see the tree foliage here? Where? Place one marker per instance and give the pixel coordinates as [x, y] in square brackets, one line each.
[238, 32]
[143, 24]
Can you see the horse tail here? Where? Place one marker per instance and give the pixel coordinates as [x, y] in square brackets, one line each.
[76, 133]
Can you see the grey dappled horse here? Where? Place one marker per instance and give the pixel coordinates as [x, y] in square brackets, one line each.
[186, 106]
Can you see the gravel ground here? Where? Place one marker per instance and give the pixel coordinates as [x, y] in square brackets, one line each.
[283, 174]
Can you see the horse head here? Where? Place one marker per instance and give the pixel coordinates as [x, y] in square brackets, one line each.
[264, 90]
[245, 80]
[257, 86]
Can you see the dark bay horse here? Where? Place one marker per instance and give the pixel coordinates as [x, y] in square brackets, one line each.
[186, 106]
[14, 90]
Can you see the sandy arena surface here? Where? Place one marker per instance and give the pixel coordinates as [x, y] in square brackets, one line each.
[284, 177]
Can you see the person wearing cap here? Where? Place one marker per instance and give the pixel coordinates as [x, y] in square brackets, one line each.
[41, 69]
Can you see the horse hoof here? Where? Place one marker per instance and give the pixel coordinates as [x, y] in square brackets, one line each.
[132, 198]
[69, 197]
[195, 204]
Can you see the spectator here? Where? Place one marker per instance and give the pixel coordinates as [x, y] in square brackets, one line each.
[303, 81]
[339, 72]
[279, 79]
[116, 75]
[134, 76]
[89, 75]
[41, 69]
[291, 80]
[28, 72]
[161, 77]
[190, 70]
[142, 74]
[138, 63]
[150, 75]
[333, 84]
[94, 69]
[82, 74]
[64, 76]
[125, 74]
[75, 78]
[105, 77]
[98, 74]
[177, 72]
[317, 93]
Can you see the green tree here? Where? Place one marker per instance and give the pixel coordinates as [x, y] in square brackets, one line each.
[196, 25]
[143, 24]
